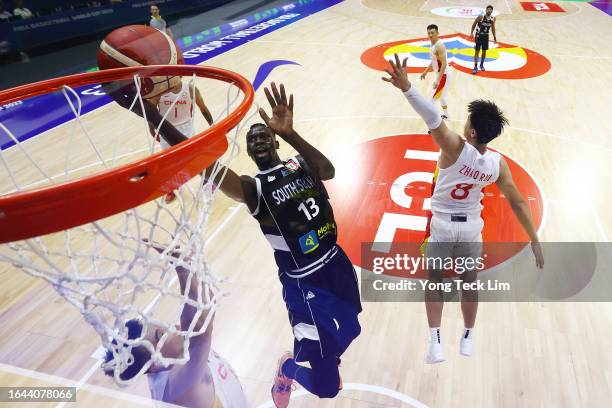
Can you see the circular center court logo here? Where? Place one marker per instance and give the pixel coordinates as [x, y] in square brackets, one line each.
[461, 12]
[382, 189]
[504, 61]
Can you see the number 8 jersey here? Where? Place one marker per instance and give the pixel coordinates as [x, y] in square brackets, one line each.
[295, 216]
[458, 188]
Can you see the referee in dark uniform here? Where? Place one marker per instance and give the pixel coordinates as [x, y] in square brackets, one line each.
[483, 24]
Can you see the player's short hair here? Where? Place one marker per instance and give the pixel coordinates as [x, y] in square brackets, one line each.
[490, 7]
[257, 125]
[432, 27]
[486, 119]
[140, 353]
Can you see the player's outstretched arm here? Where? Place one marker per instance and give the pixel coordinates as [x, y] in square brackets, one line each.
[281, 123]
[203, 108]
[192, 383]
[238, 188]
[450, 143]
[520, 208]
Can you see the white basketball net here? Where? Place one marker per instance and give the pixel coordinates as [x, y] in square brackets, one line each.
[121, 267]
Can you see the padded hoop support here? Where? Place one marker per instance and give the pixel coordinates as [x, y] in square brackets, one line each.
[54, 208]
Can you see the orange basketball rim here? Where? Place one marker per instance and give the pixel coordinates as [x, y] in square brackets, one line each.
[69, 204]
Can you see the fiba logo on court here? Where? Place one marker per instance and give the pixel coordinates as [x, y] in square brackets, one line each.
[388, 201]
[504, 61]
[461, 12]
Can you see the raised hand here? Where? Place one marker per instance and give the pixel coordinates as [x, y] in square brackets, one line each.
[399, 78]
[281, 121]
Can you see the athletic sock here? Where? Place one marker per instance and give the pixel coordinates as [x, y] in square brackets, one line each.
[467, 333]
[434, 333]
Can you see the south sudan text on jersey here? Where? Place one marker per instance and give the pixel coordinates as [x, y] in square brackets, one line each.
[295, 214]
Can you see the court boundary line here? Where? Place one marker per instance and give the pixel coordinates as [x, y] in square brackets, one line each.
[376, 389]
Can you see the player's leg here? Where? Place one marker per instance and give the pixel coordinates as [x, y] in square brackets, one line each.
[437, 247]
[476, 52]
[437, 94]
[322, 379]
[485, 47]
[434, 304]
[443, 102]
[469, 308]
[470, 246]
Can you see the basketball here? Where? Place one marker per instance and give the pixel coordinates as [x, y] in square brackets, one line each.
[136, 45]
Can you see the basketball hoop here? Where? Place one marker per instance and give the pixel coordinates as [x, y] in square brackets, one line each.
[90, 221]
[50, 209]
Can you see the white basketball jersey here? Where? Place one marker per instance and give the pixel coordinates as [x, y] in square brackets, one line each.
[458, 188]
[436, 64]
[227, 386]
[228, 391]
[182, 111]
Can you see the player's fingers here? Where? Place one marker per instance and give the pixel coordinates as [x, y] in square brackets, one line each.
[387, 79]
[398, 65]
[291, 102]
[389, 72]
[283, 95]
[277, 97]
[270, 98]
[405, 62]
[541, 261]
[264, 116]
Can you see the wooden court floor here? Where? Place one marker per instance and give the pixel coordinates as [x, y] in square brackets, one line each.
[527, 354]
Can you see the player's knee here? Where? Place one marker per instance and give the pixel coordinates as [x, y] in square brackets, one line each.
[329, 390]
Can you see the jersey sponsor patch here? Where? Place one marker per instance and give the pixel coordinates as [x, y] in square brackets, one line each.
[309, 242]
[290, 167]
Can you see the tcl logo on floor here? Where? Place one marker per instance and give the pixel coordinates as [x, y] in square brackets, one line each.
[544, 7]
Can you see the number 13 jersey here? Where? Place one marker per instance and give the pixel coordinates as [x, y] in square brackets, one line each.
[458, 188]
[295, 216]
